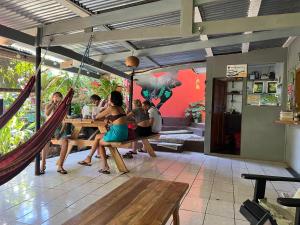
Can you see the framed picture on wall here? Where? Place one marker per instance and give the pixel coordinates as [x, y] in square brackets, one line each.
[258, 87]
[272, 87]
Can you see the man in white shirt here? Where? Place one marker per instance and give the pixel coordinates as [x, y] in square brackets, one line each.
[155, 116]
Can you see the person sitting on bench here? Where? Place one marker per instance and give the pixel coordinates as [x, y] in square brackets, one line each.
[155, 118]
[117, 132]
[143, 128]
[59, 134]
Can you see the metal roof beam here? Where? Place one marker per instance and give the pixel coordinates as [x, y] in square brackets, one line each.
[89, 61]
[127, 14]
[14, 54]
[115, 35]
[224, 41]
[30, 40]
[198, 18]
[259, 23]
[176, 67]
[253, 10]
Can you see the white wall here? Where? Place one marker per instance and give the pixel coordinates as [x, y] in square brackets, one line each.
[293, 132]
[261, 137]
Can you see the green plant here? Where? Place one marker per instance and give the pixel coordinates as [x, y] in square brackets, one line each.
[14, 133]
[194, 111]
[104, 87]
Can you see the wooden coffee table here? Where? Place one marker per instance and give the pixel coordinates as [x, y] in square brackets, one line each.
[139, 201]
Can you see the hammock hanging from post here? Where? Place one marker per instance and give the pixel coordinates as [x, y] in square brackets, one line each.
[14, 108]
[17, 160]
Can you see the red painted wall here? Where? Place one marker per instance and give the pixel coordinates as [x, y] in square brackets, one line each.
[182, 95]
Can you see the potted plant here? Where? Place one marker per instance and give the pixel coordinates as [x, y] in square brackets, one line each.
[194, 111]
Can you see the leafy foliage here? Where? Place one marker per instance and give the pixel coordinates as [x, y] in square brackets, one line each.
[194, 111]
[16, 74]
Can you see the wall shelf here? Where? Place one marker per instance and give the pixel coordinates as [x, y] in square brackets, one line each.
[234, 93]
[287, 122]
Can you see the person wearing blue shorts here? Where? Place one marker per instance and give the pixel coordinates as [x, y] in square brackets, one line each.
[117, 131]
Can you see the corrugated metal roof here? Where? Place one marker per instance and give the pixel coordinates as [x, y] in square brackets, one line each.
[162, 42]
[182, 57]
[269, 7]
[224, 10]
[267, 44]
[26, 14]
[98, 6]
[227, 49]
[171, 18]
[98, 48]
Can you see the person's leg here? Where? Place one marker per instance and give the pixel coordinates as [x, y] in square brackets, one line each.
[103, 164]
[62, 156]
[44, 157]
[88, 159]
[134, 147]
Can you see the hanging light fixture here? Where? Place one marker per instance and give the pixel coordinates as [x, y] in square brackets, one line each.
[132, 62]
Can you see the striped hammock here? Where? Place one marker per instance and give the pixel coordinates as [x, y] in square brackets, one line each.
[17, 160]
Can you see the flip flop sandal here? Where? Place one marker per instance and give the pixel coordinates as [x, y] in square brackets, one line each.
[62, 171]
[142, 151]
[84, 163]
[104, 171]
[98, 157]
[42, 171]
[127, 156]
[132, 152]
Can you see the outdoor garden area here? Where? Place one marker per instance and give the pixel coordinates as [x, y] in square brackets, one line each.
[15, 75]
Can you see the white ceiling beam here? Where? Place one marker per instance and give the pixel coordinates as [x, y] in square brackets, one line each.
[176, 68]
[259, 23]
[288, 42]
[253, 11]
[198, 18]
[115, 35]
[127, 14]
[187, 17]
[231, 40]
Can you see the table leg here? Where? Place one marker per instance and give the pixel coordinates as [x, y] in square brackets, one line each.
[76, 132]
[148, 148]
[176, 216]
[118, 159]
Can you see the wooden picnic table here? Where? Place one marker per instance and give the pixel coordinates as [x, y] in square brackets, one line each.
[113, 146]
[139, 201]
[82, 123]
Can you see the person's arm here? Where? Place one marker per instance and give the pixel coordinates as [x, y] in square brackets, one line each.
[49, 108]
[130, 114]
[151, 116]
[103, 114]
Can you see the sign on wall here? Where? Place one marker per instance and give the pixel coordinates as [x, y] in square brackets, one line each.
[239, 70]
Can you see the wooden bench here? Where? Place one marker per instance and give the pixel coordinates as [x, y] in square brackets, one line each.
[113, 148]
[139, 201]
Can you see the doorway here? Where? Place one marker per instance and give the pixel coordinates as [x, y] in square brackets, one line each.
[226, 116]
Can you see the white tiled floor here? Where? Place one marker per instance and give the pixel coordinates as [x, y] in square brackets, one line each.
[215, 194]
